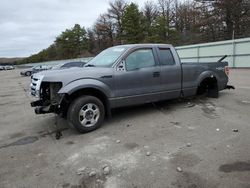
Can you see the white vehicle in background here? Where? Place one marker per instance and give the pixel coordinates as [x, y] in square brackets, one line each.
[8, 67]
[35, 69]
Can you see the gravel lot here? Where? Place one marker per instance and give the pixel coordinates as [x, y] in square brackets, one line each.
[179, 143]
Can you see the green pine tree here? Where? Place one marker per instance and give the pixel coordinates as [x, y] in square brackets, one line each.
[132, 24]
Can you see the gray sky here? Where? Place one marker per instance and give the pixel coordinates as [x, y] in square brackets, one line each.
[28, 26]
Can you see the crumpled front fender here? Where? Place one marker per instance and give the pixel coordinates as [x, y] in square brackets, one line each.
[85, 84]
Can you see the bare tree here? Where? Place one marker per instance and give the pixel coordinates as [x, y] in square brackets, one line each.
[235, 13]
[167, 11]
[116, 12]
[104, 28]
[150, 11]
[150, 14]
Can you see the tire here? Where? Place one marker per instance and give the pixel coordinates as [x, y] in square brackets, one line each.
[86, 113]
[28, 73]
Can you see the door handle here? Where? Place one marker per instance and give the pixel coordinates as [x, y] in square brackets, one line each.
[156, 74]
[106, 76]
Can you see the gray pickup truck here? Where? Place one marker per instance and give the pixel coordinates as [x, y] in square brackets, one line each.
[122, 76]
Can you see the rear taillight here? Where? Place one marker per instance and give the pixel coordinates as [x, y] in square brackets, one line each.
[226, 70]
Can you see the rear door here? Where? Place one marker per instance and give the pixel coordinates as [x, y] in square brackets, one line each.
[170, 73]
[137, 77]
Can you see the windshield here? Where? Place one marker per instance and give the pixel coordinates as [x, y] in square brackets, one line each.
[107, 57]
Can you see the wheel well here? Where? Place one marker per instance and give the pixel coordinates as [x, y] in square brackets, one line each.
[89, 91]
[209, 83]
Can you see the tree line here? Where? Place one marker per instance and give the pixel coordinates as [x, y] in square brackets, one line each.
[165, 21]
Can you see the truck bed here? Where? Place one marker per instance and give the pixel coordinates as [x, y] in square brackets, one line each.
[192, 74]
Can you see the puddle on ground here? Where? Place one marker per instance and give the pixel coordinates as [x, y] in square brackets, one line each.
[131, 145]
[5, 103]
[70, 143]
[235, 167]
[44, 133]
[7, 95]
[192, 180]
[16, 135]
[22, 141]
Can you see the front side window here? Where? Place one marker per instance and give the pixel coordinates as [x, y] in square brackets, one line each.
[140, 59]
[166, 56]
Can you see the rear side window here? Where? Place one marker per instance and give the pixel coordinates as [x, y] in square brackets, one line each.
[166, 56]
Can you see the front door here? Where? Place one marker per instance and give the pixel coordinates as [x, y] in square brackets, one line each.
[139, 80]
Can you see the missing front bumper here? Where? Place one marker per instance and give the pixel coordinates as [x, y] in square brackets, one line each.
[41, 109]
[44, 109]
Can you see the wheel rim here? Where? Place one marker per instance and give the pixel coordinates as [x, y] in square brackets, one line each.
[89, 115]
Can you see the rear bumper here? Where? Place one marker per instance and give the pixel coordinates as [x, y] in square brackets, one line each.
[222, 83]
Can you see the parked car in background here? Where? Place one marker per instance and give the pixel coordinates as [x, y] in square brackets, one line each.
[35, 69]
[8, 67]
[69, 65]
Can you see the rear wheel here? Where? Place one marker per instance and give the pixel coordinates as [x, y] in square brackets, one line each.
[209, 87]
[86, 113]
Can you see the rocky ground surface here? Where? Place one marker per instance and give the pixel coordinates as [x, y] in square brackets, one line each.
[189, 143]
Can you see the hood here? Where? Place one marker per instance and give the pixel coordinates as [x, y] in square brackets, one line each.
[68, 75]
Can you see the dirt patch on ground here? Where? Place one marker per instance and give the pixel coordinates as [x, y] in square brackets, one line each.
[96, 181]
[235, 167]
[22, 141]
[131, 145]
[209, 109]
[192, 180]
[16, 135]
[185, 160]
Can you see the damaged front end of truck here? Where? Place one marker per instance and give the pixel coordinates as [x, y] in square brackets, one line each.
[49, 101]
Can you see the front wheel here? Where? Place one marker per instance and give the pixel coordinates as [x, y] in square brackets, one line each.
[86, 113]
[28, 73]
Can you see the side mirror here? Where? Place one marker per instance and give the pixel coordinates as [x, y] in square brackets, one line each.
[121, 66]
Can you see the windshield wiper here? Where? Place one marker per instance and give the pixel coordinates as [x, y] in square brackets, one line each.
[89, 65]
